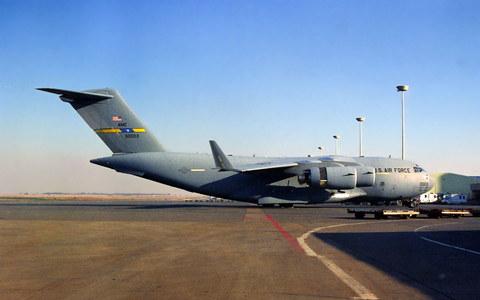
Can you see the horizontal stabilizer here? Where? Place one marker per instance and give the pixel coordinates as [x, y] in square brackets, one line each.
[76, 96]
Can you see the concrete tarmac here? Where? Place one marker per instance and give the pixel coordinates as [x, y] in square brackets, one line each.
[230, 250]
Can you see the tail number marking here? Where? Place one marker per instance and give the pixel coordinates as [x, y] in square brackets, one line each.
[132, 136]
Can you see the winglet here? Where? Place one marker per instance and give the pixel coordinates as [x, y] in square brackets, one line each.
[221, 160]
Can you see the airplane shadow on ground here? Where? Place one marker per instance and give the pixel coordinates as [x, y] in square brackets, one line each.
[191, 205]
[130, 205]
[438, 271]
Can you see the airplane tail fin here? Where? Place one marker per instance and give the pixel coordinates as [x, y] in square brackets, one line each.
[113, 121]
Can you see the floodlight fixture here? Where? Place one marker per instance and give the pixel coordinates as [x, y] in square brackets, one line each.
[360, 120]
[336, 137]
[403, 88]
[321, 150]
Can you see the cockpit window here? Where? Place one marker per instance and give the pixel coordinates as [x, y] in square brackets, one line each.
[418, 169]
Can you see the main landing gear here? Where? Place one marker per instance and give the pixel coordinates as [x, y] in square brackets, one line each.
[283, 205]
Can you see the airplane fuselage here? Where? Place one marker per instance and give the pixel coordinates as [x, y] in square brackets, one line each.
[395, 179]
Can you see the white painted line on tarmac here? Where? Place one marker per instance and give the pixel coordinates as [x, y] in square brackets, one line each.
[356, 286]
[443, 244]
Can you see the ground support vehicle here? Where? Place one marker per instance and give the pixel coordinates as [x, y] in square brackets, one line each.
[439, 213]
[383, 213]
[475, 212]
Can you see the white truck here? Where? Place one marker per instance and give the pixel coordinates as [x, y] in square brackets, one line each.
[454, 199]
[428, 198]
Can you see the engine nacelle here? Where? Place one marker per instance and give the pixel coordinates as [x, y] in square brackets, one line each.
[365, 176]
[340, 178]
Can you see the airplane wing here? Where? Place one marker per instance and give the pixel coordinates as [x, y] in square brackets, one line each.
[327, 173]
[263, 166]
[223, 164]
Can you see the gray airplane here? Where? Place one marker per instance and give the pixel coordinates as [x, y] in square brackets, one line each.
[264, 181]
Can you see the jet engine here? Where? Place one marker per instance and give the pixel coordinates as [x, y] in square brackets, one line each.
[340, 178]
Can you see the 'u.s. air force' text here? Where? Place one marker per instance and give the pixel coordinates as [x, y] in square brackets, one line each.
[393, 170]
[399, 170]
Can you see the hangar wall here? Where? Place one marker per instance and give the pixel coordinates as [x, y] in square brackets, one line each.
[454, 184]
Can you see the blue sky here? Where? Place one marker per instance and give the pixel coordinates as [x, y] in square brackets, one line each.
[271, 78]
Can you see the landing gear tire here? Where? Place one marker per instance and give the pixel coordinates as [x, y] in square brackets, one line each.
[359, 215]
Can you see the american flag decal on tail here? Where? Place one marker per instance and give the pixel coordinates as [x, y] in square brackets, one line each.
[116, 119]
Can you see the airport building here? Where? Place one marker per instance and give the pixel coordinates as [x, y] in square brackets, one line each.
[450, 183]
[476, 191]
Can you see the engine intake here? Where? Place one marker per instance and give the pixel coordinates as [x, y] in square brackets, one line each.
[341, 178]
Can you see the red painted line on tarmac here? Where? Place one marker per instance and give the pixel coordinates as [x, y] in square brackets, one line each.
[287, 235]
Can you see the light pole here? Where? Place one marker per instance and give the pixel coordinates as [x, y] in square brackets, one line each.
[403, 88]
[360, 120]
[321, 150]
[336, 137]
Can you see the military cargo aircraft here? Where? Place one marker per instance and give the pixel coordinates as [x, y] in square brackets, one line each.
[264, 181]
